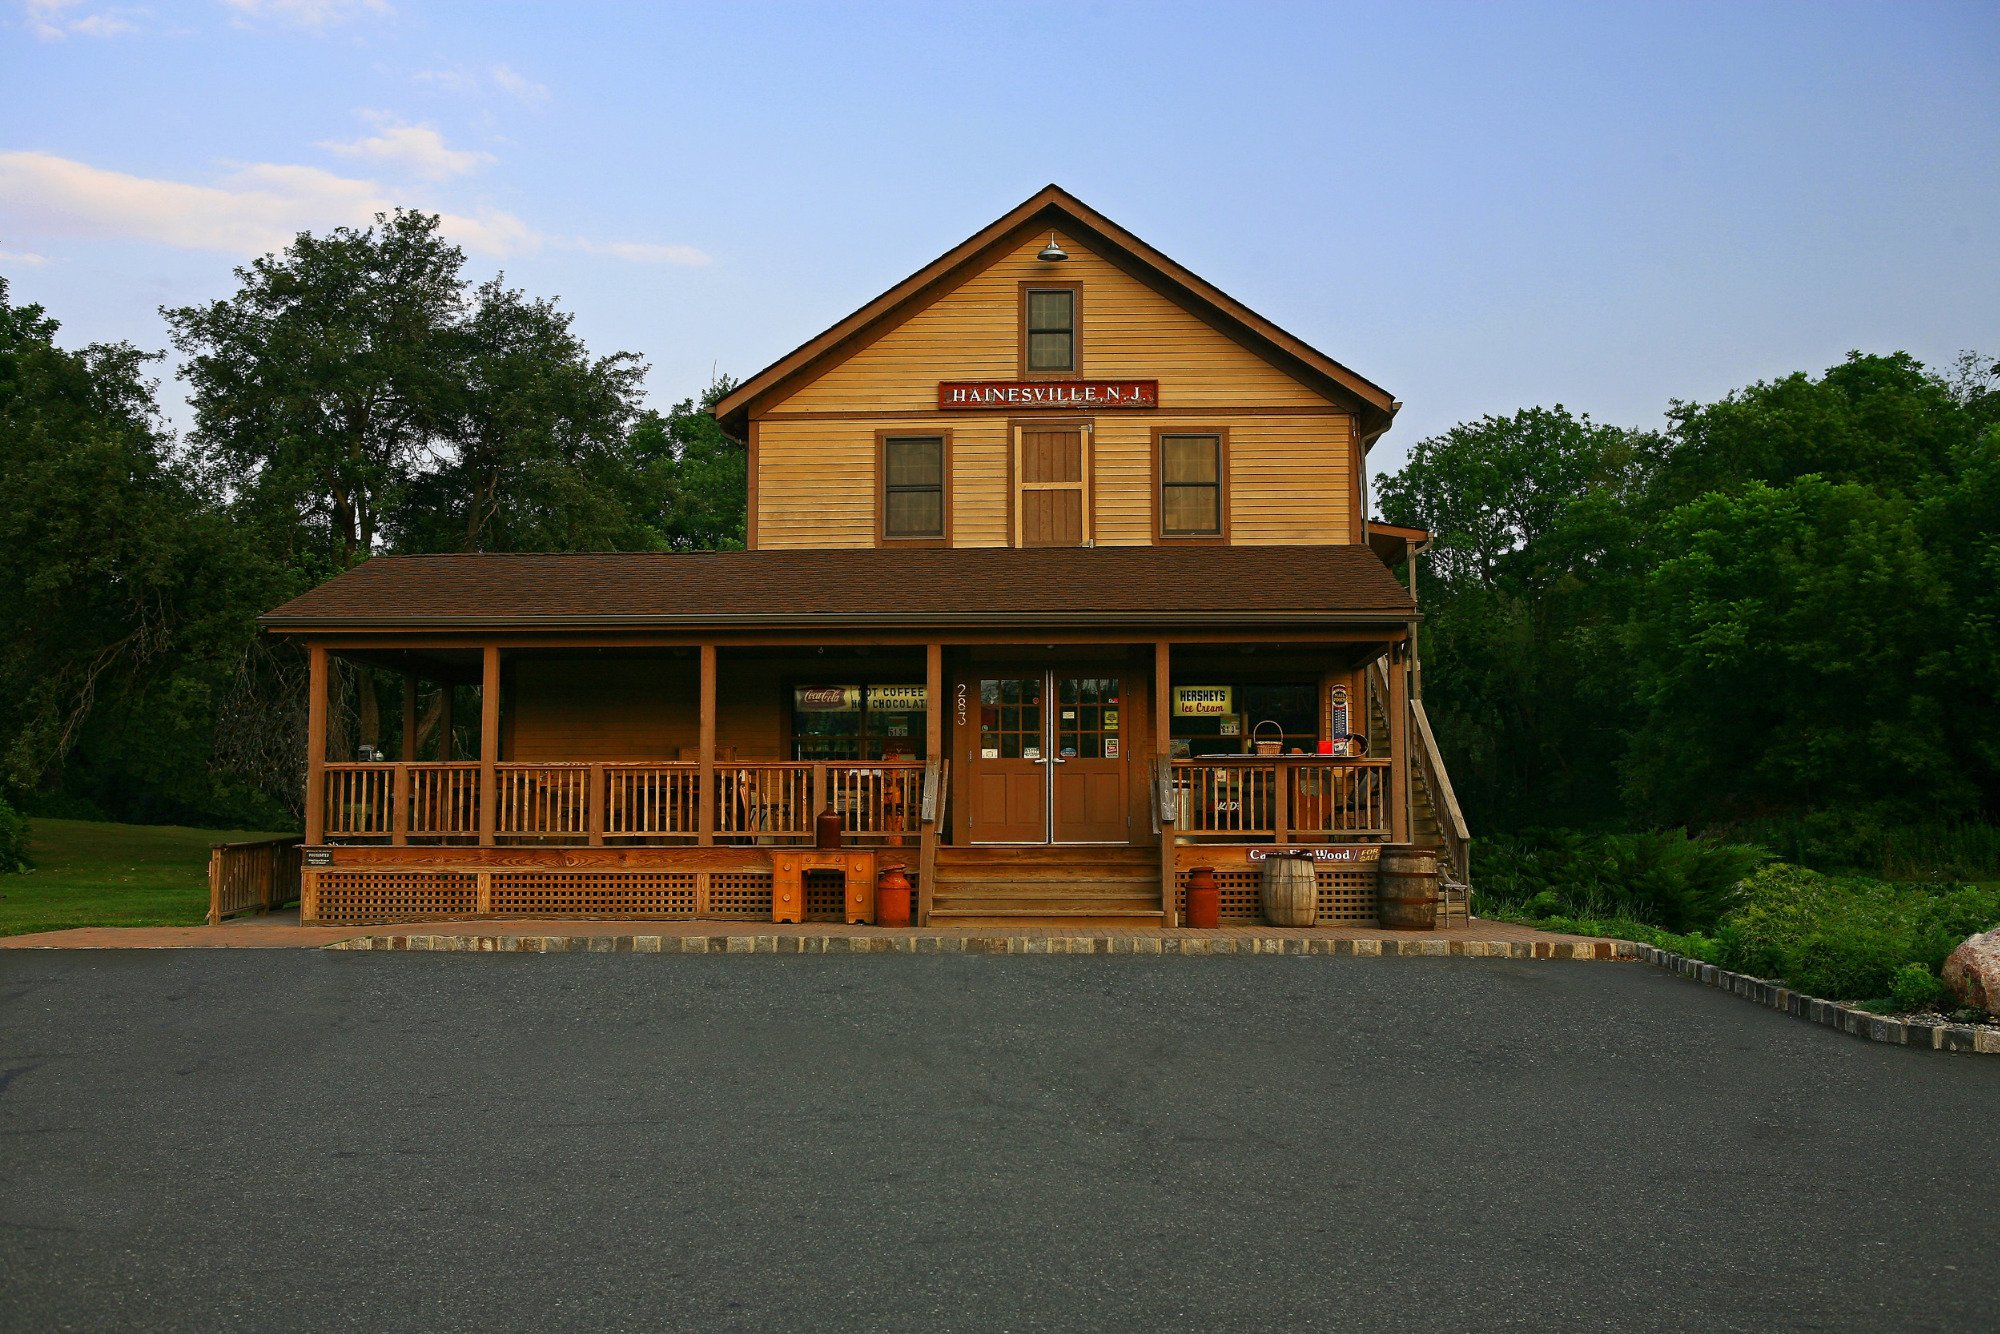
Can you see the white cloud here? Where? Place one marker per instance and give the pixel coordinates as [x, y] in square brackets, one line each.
[465, 81]
[250, 210]
[53, 20]
[642, 252]
[26, 258]
[417, 149]
[308, 13]
[518, 85]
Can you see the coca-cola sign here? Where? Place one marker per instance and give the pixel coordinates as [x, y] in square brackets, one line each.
[827, 699]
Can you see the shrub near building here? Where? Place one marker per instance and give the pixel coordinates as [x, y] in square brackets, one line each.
[1850, 938]
[13, 840]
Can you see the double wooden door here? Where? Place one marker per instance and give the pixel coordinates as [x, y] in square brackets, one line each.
[1045, 758]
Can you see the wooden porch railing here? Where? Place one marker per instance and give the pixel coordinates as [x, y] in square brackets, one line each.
[1302, 798]
[256, 876]
[622, 802]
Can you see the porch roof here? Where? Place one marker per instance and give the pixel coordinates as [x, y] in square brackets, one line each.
[848, 588]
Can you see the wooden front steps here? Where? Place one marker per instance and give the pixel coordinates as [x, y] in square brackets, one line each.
[1051, 886]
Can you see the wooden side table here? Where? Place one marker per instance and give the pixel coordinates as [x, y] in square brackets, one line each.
[788, 881]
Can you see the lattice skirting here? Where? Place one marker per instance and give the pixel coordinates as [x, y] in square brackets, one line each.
[826, 896]
[604, 893]
[384, 896]
[1346, 894]
[740, 894]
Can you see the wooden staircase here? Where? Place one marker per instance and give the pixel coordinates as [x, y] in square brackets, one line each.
[1047, 886]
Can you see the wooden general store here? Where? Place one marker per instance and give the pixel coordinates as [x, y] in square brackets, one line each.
[1042, 542]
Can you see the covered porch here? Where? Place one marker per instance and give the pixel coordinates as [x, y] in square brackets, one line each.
[658, 779]
[1059, 734]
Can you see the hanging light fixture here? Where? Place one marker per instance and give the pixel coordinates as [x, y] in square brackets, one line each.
[1052, 253]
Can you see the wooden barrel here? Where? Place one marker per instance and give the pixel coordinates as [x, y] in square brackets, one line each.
[1406, 888]
[1290, 891]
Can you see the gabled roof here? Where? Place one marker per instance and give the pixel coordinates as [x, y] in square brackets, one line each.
[854, 588]
[1052, 206]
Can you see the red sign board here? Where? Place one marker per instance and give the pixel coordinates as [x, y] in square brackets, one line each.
[1017, 395]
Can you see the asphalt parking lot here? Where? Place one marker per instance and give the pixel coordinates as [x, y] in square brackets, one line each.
[278, 1139]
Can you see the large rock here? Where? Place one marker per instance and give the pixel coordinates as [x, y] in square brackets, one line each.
[1972, 973]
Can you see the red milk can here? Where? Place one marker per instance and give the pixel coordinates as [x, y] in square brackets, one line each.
[1204, 899]
[827, 828]
[892, 896]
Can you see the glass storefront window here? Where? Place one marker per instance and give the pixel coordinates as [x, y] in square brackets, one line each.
[1293, 707]
[883, 721]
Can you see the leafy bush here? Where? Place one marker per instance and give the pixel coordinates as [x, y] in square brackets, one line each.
[1848, 938]
[1881, 843]
[1914, 987]
[1667, 879]
[13, 840]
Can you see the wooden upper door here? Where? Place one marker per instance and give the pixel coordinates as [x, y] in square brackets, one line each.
[1052, 480]
[1089, 801]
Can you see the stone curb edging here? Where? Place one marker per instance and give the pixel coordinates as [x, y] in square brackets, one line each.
[1834, 1014]
[856, 943]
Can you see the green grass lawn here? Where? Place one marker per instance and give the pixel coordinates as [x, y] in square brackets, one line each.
[88, 873]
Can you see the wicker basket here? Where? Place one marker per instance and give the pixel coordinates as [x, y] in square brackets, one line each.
[1263, 747]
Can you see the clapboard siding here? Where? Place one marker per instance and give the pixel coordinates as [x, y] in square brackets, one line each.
[973, 333]
[568, 709]
[1290, 457]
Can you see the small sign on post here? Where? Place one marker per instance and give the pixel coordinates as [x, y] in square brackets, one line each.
[929, 805]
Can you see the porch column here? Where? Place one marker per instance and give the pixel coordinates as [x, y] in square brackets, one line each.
[489, 747]
[706, 837]
[316, 687]
[1398, 705]
[406, 753]
[1163, 725]
[928, 836]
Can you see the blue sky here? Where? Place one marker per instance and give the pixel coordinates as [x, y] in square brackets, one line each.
[1481, 207]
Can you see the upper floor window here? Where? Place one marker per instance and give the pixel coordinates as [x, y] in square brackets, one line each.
[1191, 473]
[1048, 330]
[914, 470]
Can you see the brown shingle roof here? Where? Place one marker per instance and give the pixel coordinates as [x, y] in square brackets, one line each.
[855, 587]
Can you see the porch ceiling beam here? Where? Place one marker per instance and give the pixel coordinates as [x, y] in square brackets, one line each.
[434, 639]
[810, 623]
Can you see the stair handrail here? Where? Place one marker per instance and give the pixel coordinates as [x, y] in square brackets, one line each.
[1430, 762]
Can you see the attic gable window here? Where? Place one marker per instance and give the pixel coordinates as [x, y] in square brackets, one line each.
[1048, 329]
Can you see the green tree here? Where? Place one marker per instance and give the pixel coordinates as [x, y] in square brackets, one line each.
[695, 479]
[1883, 421]
[1777, 655]
[125, 592]
[1523, 593]
[322, 385]
[533, 455]
[359, 394]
